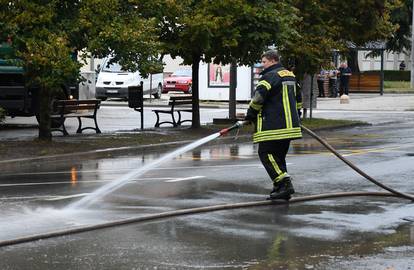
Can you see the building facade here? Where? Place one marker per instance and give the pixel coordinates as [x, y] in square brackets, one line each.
[392, 61]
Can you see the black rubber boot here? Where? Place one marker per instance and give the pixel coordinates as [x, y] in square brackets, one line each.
[282, 190]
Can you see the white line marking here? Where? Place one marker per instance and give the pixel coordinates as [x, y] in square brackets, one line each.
[184, 179]
[129, 169]
[57, 198]
[26, 197]
[82, 181]
[45, 197]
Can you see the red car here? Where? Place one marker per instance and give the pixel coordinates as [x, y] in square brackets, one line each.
[180, 80]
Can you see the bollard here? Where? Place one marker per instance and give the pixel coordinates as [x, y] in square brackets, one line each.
[344, 99]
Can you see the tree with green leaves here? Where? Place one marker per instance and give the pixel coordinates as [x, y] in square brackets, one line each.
[227, 31]
[326, 26]
[400, 39]
[401, 16]
[47, 33]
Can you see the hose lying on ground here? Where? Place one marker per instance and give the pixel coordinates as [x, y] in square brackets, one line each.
[355, 168]
[189, 211]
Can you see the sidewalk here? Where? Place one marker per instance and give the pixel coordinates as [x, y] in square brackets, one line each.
[369, 102]
[357, 102]
[163, 102]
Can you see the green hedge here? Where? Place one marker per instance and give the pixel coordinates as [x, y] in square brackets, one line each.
[393, 75]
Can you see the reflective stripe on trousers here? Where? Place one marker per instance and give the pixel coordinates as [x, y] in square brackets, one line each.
[273, 157]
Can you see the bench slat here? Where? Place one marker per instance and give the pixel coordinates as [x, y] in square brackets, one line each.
[180, 102]
[78, 102]
[77, 108]
[176, 98]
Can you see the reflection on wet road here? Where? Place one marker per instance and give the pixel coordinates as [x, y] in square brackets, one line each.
[352, 233]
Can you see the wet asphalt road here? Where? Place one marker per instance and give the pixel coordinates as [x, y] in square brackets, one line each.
[352, 233]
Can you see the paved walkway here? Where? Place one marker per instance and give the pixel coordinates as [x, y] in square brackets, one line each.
[369, 102]
[358, 102]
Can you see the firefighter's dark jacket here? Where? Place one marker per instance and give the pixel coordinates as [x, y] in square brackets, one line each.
[274, 105]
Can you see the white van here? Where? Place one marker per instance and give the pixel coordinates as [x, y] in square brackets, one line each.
[113, 82]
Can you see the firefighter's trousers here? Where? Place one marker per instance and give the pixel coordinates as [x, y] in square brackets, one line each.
[273, 157]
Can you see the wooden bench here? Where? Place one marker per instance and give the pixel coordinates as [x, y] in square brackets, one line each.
[177, 104]
[75, 108]
[365, 83]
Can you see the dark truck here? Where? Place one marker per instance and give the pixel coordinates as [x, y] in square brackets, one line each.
[16, 97]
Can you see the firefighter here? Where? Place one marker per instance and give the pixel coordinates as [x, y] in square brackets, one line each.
[274, 111]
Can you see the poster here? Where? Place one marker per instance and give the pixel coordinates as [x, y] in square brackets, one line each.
[218, 75]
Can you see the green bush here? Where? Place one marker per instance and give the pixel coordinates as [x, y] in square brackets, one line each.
[392, 75]
[2, 114]
[397, 75]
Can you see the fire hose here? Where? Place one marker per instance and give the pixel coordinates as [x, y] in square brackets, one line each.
[355, 168]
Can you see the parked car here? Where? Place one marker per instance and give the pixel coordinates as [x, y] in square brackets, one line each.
[113, 82]
[180, 80]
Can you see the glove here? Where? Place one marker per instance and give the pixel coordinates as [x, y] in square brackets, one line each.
[250, 116]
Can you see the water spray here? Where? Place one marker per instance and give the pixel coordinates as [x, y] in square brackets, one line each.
[116, 184]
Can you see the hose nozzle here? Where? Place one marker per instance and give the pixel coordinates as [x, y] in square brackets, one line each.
[238, 124]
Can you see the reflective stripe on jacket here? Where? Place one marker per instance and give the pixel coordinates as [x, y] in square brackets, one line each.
[274, 106]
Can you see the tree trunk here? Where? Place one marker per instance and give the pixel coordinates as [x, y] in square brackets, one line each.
[309, 98]
[353, 61]
[44, 114]
[195, 79]
[232, 93]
